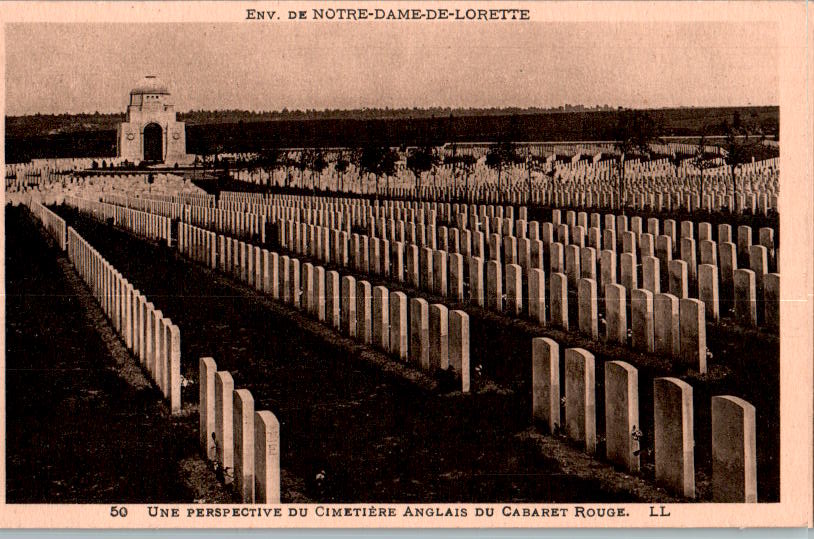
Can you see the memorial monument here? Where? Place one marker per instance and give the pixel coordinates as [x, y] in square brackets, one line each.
[151, 132]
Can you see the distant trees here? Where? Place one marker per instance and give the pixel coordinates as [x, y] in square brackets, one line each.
[461, 163]
[317, 165]
[675, 160]
[268, 158]
[743, 141]
[420, 160]
[467, 164]
[702, 161]
[341, 166]
[378, 161]
[303, 162]
[634, 132]
[286, 162]
[501, 155]
[534, 163]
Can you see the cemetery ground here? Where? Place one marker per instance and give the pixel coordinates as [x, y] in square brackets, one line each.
[83, 423]
[373, 435]
[378, 435]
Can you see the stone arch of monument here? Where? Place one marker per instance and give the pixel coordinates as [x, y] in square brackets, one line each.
[153, 142]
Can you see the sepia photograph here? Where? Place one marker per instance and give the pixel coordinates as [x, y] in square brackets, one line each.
[407, 265]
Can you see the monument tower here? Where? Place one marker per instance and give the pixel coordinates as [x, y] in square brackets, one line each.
[151, 132]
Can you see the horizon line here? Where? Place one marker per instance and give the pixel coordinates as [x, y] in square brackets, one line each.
[552, 108]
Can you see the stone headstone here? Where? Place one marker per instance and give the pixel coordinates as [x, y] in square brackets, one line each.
[692, 327]
[243, 424]
[616, 314]
[456, 277]
[704, 231]
[459, 346]
[678, 279]
[174, 369]
[687, 229]
[651, 274]
[364, 312]
[224, 389]
[412, 264]
[708, 290]
[759, 264]
[514, 289]
[559, 300]
[607, 269]
[688, 256]
[332, 299]
[734, 450]
[666, 331]
[267, 458]
[380, 323]
[588, 263]
[438, 337]
[426, 269]
[587, 308]
[745, 297]
[556, 257]
[494, 286]
[673, 436]
[348, 310]
[647, 245]
[536, 282]
[398, 325]
[653, 226]
[708, 252]
[641, 309]
[744, 240]
[206, 405]
[545, 375]
[572, 265]
[419, 333]
[439, 269]
[664, 250]
[295, 290]
[630, 279]
[609, 240]
[580, 397]
[622, 415]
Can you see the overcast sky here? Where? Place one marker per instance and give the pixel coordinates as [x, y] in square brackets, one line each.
[52, 68]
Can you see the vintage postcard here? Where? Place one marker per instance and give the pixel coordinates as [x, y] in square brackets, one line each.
[407, 264]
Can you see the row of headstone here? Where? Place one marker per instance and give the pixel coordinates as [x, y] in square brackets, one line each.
[144, 224]
[670, 324]
[242, 224]
[655, 323]
[591, 182]
[479, 219]
[172, 210]
[52, 222]
[612, 234]
[245, 225]
[146, 332]
[734, 456]
[244, 443]
[651, 331]
[436, 338]
[676, 327]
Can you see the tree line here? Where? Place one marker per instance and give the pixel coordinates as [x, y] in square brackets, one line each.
[635, 134]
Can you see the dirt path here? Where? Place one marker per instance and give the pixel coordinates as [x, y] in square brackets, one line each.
[83, 423]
